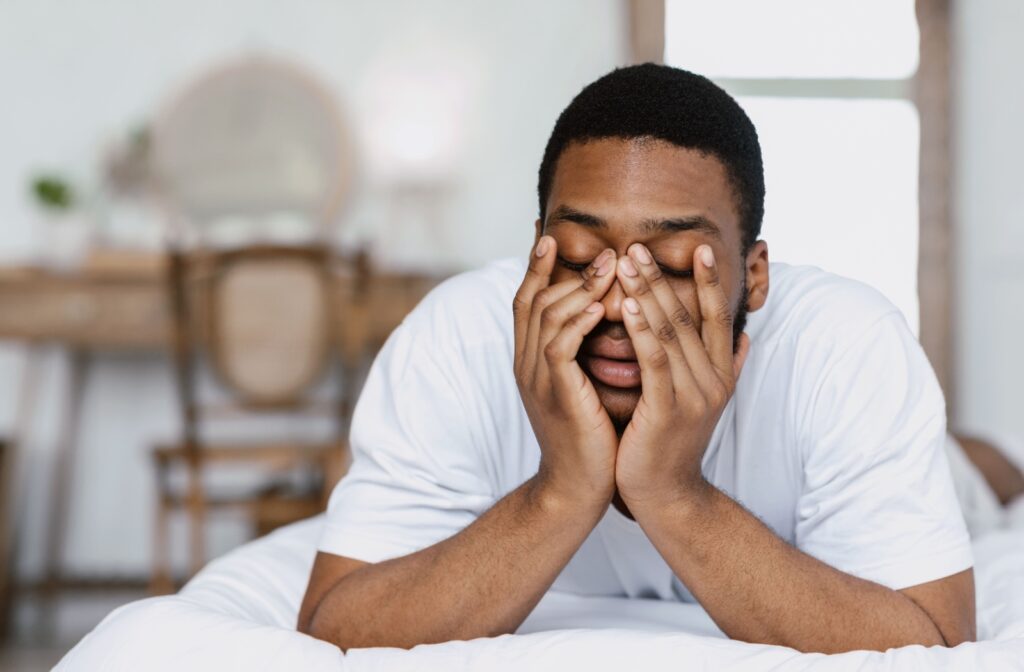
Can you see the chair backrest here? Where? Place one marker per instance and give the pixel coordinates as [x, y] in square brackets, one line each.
[262, 316]
[257, 137]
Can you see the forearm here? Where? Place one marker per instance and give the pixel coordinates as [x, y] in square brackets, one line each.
[758, 588]
[482, 582]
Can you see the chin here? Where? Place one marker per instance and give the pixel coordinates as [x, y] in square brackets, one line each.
[619, 402]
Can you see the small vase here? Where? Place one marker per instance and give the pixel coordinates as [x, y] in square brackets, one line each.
[66, 240]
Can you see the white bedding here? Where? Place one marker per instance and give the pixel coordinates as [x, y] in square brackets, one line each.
[239, 614]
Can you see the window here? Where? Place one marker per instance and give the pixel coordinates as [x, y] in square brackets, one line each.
[828, 87]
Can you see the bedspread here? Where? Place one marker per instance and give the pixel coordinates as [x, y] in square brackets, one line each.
[239, 613]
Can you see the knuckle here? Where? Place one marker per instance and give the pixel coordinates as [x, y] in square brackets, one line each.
[682, 317]
[548, 316]
[642, 289]
[655, 276]
[544, 297]
[552, 351]
[718, 396]
[576, 320]
[666, 332]
[520, 305]
[659, 359]
[696, 405]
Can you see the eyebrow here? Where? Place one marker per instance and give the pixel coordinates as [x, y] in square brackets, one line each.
[698, 223]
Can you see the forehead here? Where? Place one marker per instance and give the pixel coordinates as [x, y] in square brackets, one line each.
[630, 181]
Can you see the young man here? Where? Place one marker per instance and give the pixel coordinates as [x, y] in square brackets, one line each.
[606, 421]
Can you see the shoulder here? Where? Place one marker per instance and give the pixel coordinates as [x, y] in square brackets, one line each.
[807, 305]
[472, 308]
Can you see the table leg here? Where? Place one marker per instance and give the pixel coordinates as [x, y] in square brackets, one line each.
[64, 467]
[10, 472]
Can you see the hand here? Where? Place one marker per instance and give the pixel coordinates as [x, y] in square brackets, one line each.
[687, 377]
[576, 436]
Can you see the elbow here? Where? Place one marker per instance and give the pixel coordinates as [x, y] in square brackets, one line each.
[317, 629]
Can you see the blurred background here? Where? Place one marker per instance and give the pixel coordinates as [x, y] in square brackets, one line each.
[213, 213]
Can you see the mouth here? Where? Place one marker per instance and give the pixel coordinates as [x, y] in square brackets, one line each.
[611, 361]
[621, 373]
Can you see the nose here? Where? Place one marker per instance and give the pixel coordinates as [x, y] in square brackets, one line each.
[612, 302]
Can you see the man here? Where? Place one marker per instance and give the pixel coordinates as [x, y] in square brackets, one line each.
[607, 422]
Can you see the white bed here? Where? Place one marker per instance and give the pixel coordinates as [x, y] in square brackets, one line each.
[239, 614]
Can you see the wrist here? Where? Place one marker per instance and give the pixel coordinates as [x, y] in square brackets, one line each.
[681, 496]
[566, 498]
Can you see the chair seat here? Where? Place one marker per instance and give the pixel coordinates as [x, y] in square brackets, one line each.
[249, 452]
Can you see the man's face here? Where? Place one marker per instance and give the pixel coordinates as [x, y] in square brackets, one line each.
[613, 193]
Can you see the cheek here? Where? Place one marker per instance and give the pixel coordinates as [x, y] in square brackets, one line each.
[561, 273]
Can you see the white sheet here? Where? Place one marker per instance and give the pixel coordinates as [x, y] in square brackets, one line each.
[239, 614]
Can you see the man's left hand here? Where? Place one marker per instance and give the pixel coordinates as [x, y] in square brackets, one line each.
[687, 377]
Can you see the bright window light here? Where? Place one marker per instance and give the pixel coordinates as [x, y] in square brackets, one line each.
[870, 39]
[841, 181]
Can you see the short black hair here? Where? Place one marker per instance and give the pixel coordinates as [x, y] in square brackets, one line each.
[677, 106]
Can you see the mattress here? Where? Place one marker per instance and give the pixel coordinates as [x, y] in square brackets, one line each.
[239, 613]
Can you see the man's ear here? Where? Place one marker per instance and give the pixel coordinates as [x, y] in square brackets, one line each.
[757, 275]
[538, 227]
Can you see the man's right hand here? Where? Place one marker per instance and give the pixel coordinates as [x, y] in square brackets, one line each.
[577, 439]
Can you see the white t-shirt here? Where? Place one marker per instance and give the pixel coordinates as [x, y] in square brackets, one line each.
[833, 438]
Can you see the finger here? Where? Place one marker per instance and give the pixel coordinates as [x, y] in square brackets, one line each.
[740, 358]
[679, 317]
[661, 327]
[560, 353]
[655, 365]
[597, 280]
[716, 318]
[538, 276]
[551, 295]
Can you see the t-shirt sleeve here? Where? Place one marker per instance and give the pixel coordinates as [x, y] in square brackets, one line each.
[878, 500]
[417, 475]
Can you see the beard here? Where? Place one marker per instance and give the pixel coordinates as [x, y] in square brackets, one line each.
[621, 402]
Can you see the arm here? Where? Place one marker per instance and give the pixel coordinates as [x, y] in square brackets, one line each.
[758, 588]
[754, 585]
[482, 582]
[485, 580]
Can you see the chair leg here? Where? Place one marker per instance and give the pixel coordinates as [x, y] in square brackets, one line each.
[160, 582]
[197, 518]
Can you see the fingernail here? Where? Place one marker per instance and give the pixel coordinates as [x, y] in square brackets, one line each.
[628, 267]
[604, 263]
[640, 253]
[595, 307]
[707, 256]
[631, 306]
[542, 246]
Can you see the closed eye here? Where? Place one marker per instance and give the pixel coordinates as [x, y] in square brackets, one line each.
[572, 266]
[667, 270]
[676, 273]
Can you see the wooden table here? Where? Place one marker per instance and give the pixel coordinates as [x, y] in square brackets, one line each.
[119, 302]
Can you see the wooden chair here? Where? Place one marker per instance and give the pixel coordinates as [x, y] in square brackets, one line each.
[247, 143]
[260, 319]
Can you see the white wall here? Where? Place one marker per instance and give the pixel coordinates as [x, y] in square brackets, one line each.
[73, 75]
[990, 215]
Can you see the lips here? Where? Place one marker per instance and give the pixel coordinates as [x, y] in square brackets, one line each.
[611, 361]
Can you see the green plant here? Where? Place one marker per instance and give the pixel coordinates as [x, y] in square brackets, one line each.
[52, 192]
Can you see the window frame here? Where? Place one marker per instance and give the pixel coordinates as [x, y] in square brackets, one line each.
[930, 90]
